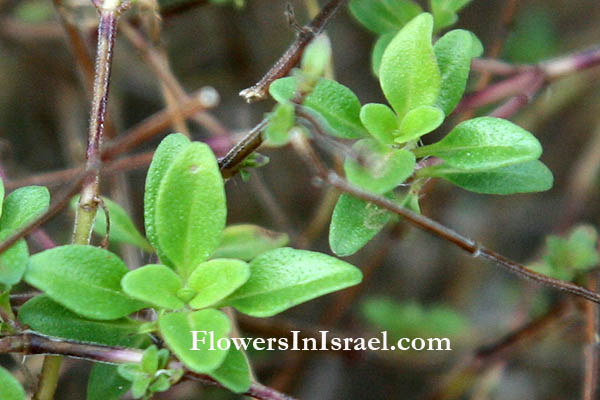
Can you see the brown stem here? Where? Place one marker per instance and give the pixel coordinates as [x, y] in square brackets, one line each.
[459, 380]
[293, 54]
[435, 228]
[86, 209]
[34, 343]
[590, 350]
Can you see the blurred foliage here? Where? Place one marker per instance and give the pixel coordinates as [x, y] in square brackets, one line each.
[413, 320]
[569, 256]
[534, 36]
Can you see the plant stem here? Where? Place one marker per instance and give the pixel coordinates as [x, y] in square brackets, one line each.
[293, 54]
[590, 350]
[422, 222]
[88, 204]
[48, 378]
[33, 343]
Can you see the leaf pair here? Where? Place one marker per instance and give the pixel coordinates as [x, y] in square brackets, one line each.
[210, 282]
[184, 203]
[489, 155]
[422, 83]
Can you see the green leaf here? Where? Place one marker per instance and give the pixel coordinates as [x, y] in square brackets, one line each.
[567, 257]
[155, 284]
[13, 261]
[283, 278]
[191, 208]
[85, 279]
[105, 383]
[381, 16]
[335, 103]
[23, 206]
[377, 54]
[234, 373]
[281, 120]
[1, 196]
[380, 121]
[176, 329]
[534, 36]
[409, 74]
[579, 251]
[122, 229]
[529, 176]
[317, 57]
[383, 169]
[149, 362]
[444, 11]
[217, 279]
[139, 386]
[45, 316]
[354, 222]
[10, 387]
[19, 208]
[484, 143]
[246, 241]
[164, 155]
[418, 122]
[411, 320]
[454, 53]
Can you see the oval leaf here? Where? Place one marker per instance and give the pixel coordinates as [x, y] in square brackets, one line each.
[380, 121]
[20, 207]
[337, 105]
[190, 208]
[484, 143]
[381, 16]
[217, 279]
[530, 176]
[155, 284]
[105, 383]
[176, 329]
[234, 373]
[409, 73]
[377, 54]
[454, 52]
[444, 11]
[44, 315]
[246, 241]
[354, 222]
[283, 278]
[316, 57]
[10, 387]
[418, 122]
[164, 155]
[383, 169]
[85, 279]
[281, 120]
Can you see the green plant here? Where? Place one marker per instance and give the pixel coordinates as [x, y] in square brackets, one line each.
[89, 292]
[146, 328]
[423, 83]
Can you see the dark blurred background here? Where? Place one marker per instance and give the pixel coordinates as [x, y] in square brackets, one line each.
[43, 126]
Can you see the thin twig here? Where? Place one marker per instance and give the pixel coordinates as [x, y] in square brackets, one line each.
[529, 77]
[422, 222]
[293, 54]
[459, 380]
[590, 350]
[33, 343]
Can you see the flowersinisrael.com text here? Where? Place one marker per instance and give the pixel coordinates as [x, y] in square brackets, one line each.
[324, 342]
